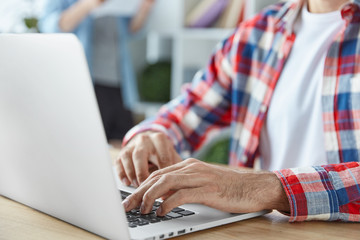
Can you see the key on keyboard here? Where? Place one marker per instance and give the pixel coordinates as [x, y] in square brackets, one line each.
[135, 218]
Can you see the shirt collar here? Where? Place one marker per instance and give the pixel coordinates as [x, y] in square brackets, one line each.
[288, 14]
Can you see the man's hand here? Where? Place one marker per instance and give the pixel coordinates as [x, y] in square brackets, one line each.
[193, 181]
[146, 151]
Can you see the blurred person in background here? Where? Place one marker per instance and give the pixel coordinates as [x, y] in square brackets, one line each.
[101, 38]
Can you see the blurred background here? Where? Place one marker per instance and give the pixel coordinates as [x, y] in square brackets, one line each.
[140, 52]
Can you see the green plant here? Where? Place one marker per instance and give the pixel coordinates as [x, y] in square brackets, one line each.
[218, 153]
[154, 82]
[31, 23]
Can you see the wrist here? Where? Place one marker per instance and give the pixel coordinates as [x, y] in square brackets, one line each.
[275, 195]
[266, 191]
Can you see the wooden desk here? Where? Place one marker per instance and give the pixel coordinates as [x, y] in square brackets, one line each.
[20, 222]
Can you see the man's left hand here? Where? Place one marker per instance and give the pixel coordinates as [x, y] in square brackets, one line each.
[193, 181]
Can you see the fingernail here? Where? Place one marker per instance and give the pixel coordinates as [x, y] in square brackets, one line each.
[142, 208]
[159, 211]
[126, 203]
[125, 181]
[135, 184]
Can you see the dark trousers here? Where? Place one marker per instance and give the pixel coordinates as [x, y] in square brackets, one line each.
[116, 119]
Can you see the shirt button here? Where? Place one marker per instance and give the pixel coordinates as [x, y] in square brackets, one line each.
[263, 108]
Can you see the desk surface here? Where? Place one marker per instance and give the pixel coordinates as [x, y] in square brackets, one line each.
[21, 222]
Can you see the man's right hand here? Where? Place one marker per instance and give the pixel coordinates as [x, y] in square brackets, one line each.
[145, 151]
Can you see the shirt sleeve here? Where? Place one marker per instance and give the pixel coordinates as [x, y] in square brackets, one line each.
[49, 19]
[328, 193]
[189, 119]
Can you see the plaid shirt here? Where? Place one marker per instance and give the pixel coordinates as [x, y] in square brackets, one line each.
[236, 89]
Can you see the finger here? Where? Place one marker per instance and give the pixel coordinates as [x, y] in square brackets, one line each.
[166, 184]
[140, 160]
[163, 149]
[180, 197]
[136, 197]
[121, 173]
[126, 159]
[168, 194]
[173, 168]
[141, 156]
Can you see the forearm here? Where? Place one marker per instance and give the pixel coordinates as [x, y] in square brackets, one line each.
[140, 17]
[193, 181]
[252, 191]
[71, 17]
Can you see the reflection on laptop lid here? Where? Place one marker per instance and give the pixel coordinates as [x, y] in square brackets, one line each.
[54, 156]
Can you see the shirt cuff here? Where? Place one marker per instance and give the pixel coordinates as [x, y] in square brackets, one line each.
[310, 193]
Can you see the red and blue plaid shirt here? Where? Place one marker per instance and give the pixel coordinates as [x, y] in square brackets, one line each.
[236, 88]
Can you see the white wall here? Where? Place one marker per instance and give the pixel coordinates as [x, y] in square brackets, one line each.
[12, 13]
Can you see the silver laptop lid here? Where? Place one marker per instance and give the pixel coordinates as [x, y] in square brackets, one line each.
[50, 131]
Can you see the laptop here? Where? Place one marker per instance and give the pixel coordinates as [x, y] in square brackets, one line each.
[53, 151]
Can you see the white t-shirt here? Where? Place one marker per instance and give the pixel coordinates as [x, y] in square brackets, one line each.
[293, 134]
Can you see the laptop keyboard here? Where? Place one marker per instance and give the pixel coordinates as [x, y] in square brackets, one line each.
[135, 218]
